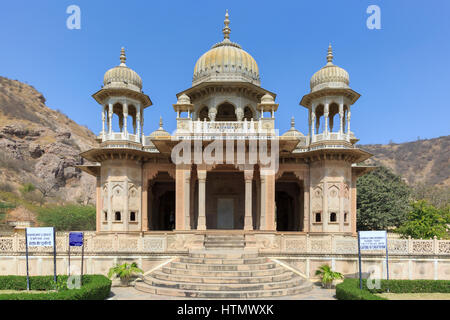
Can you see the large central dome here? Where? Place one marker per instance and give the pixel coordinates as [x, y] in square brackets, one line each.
[226, 61]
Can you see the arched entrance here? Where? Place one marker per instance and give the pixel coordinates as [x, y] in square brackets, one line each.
[226, 112]
[289, 203]
[162, 203]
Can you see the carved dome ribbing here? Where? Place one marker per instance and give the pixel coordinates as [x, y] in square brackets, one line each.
[122, 76]
[330, 76]
[226, 61]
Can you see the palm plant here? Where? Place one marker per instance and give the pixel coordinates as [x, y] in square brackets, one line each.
[124, 271]
[327, 275]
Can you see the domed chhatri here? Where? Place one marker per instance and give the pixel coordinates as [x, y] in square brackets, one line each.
[293, 132]
[330, 76]
[226, 61]
[160, 132]
[122, 76]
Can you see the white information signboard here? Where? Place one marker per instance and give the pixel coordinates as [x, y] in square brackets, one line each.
[40, 237]
[372, 240]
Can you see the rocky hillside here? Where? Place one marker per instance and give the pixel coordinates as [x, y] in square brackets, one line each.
[39, 145]
[421, 161]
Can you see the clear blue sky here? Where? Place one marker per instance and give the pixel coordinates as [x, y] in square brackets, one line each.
[401, 71]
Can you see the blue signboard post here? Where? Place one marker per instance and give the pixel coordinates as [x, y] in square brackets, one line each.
[372, 240]
[76, 239]
[40, 237]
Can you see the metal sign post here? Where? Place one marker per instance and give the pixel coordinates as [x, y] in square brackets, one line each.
[26, 253]
[54, 255]
[372, 240]
[387, 263]
[76, 239]
[40, 237]
[359, 259]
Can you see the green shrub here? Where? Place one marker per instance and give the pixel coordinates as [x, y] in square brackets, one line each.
[68, 218]
[349, 288]
[95, 287]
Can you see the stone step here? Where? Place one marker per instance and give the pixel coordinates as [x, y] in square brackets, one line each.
[224, 236]
[207, 273]
[221, 267]
[287, 275]
[224, 254]
[214, 261]
[296, 281]
[255, 294]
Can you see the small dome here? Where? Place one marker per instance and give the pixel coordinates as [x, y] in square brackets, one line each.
[160, 132]
[122, 76]
[330, 76]
[226, 61]
[267, 98]
[184, 99]
[292, 132]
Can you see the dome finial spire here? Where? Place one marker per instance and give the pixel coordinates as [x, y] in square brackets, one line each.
[123, 57]
[330, 55]
[292, 123]
[160, 122]
[226, 30]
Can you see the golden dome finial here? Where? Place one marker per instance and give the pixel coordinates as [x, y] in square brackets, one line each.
[226, 30]
[123, 57]
[160, 122]
[330, 55]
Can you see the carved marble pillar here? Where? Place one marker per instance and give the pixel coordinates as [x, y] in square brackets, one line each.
[110, 114]
[239, 113]
[348, 120]
[125, 120]
[263, 192]
[268, 201]
[212, 112]
[248, 221]
[201, 224]
[187, 195]
[325, 116]
[138, 120]
[341, 119]
[103, 121]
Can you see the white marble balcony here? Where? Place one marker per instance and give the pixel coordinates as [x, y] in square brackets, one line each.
[330, 136]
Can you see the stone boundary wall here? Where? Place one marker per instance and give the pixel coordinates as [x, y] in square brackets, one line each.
[408, 258]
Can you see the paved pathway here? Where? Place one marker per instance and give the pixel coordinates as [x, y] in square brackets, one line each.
[130, 293]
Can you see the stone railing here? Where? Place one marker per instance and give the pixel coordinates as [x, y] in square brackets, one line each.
[118, 136]
[168, 243]
[330, 136]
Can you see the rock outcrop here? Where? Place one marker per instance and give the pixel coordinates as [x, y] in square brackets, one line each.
[40, 144]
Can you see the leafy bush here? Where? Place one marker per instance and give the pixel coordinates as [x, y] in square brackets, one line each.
[327, 275]
[425, 222]
[95, 287]
[68, 218]
[349, 288]
[124, 271]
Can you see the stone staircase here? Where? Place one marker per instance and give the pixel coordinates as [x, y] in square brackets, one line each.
[225, 269]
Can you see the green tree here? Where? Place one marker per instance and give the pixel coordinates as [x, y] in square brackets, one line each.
[383, 200]
[68, 218]
[426, 221]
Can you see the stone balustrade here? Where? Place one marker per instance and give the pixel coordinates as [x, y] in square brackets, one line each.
[267, 243]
